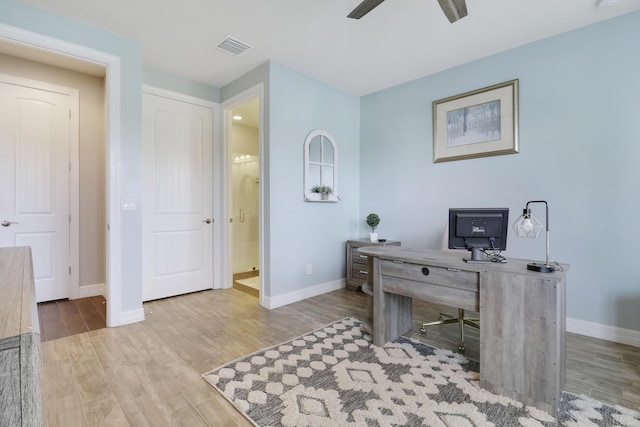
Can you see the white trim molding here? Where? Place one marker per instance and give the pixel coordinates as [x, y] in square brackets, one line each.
[131, 316]
[605, 332]
[94, 290]
[113, 85]
[302, 294]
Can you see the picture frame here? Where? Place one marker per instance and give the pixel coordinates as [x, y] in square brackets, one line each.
[480, 123]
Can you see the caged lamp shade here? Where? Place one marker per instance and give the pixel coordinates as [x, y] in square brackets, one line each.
[528, 226]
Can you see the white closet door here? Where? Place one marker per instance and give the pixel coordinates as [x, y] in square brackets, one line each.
[34, 175]
[177, 197]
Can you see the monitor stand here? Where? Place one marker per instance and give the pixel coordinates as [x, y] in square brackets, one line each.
[477, 256]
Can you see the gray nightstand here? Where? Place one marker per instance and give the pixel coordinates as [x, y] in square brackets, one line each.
[357, 266]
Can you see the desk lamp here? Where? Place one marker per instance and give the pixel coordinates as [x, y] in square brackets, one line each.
[528, 226]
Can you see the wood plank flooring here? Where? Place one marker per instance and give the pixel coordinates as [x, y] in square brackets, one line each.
[149, 373]
[62, 318]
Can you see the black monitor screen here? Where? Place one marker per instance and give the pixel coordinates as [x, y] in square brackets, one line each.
[478, 230]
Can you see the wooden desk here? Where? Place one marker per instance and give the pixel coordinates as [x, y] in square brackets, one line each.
[522, 314]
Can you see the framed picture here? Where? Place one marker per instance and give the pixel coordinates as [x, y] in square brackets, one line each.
[479, 123]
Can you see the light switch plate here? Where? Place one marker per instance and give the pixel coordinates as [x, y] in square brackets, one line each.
[128, 204]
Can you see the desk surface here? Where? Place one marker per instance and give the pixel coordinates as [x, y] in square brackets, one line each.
[450, 259]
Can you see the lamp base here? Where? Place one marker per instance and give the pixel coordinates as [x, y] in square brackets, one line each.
[541, 268]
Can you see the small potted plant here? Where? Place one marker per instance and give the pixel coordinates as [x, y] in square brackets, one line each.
[372, 221]
[323, 190]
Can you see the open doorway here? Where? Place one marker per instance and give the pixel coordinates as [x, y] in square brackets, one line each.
[65, 224]
[86, 60]
[244, 178]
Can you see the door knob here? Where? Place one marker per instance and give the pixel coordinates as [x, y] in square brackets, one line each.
[208, 221]
[6, 223]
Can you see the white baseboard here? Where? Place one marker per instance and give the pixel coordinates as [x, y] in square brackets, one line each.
[295, 296]
[87, 291]
[605, 332]
[131, 316]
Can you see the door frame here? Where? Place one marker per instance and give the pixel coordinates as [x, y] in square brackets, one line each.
[256, 91]
[113, 82]
[73, 288]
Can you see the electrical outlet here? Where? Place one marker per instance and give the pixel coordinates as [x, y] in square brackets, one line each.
[309, 269]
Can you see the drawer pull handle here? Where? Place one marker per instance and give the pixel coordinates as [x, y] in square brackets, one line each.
[425, 271]
[455, 270]
[363, 256]
[397, 262]
[363, 272]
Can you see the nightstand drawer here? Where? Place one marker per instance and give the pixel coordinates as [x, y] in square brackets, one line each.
[358, 258]
[360, 271]
[358, 264]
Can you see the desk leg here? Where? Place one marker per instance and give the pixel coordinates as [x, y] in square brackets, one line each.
[392, 313]
[522, 348]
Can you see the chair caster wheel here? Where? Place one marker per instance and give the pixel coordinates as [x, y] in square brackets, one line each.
[461, 348]
[423, 331]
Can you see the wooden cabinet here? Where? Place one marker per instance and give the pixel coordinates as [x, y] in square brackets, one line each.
[357, 266]
[20, 404]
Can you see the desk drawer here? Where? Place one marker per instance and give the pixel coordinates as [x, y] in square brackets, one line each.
[452, 278]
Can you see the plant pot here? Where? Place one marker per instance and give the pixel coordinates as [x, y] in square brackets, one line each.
[373, 237]
[325, 196]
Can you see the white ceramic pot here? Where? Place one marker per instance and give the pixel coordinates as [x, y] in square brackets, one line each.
[373, 236]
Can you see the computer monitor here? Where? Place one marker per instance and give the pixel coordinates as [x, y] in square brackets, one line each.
[482, 231]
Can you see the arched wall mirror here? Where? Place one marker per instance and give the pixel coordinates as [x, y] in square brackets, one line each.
[320, 167]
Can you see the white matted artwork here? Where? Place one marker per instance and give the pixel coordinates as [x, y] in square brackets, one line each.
[479, 123]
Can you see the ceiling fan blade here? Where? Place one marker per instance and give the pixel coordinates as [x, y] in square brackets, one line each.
[363, 8]
[453, 9]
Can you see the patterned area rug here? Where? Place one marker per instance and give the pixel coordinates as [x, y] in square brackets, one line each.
[334, 376]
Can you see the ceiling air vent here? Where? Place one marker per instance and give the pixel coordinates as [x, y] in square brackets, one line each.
[233, 46]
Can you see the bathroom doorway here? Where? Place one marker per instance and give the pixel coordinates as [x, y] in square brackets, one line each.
[245, 195]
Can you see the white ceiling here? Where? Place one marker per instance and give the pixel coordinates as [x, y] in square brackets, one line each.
[399, 41]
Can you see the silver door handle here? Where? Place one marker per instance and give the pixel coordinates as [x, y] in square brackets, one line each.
[6, 223]
[208, 220]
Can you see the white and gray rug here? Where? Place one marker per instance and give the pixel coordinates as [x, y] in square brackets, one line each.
[334, 376]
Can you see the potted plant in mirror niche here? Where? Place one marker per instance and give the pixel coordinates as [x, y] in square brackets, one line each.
[372, 221]
[323, 190]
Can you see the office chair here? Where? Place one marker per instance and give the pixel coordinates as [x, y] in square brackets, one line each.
[444, 318]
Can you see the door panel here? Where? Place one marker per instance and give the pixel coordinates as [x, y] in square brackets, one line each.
[178, 194]
[34, 142]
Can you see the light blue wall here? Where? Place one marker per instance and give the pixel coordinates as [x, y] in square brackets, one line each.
[298, 233]
[579, 139]
[305, 232]
[29, 18]
[180, 85]
[578, 136]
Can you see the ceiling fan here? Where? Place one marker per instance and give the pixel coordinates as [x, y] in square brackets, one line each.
[453, 9]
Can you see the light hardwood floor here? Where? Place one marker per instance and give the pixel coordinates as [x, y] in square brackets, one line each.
[149, 373]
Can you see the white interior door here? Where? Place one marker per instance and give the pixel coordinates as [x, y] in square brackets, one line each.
[178, 197]
[34, 174]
